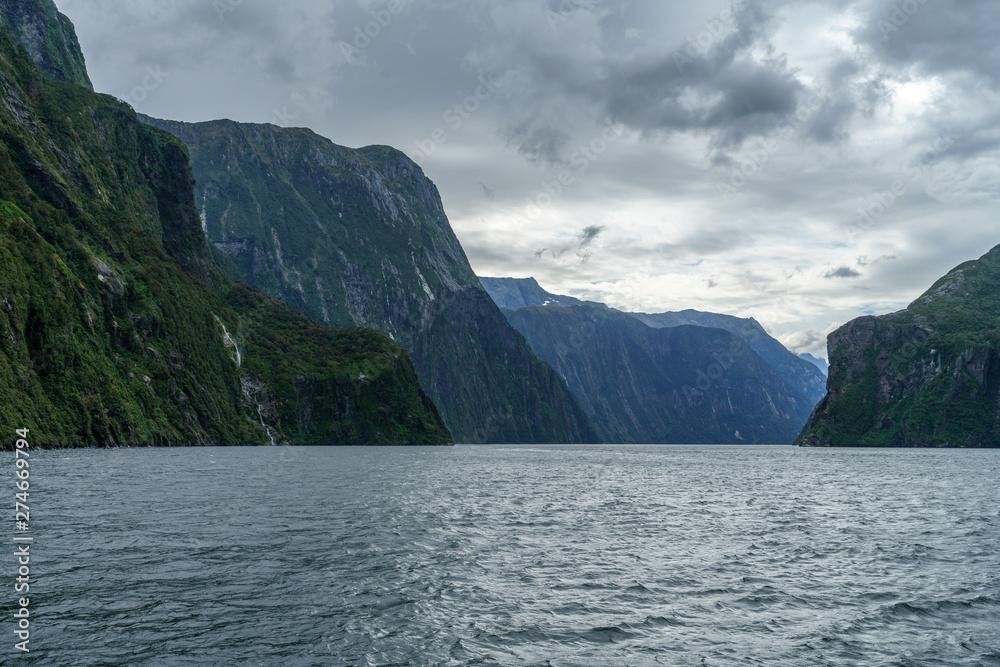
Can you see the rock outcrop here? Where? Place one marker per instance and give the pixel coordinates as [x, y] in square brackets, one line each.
[927, 376]
[49, 38]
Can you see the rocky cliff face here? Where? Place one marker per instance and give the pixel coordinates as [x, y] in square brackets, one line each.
[677, 385]
[360, 238]
[48, 36]
[116, 327]
[514, 293]
[925, 376]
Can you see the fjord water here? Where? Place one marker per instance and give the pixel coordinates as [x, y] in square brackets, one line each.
[515, 556]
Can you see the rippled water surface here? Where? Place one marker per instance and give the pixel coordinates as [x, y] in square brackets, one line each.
[515, 556]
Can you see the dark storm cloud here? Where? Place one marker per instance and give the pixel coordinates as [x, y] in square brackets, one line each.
[718, 86]
[697, 92]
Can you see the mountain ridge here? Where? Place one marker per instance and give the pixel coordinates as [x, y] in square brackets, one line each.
[359, 237]
[672, 385]
[118, 327]
[801, 374]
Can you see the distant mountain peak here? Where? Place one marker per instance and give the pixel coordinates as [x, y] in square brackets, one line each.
[514, 293]
[821, 364]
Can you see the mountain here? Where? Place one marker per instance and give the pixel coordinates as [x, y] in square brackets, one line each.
[516, 293]
[927, 376]
[799, 373]
[822, 364]
[675, 385]
[359, 237]
[49, 37]
[116, 325]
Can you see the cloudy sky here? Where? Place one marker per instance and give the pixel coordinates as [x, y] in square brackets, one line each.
[800, 162]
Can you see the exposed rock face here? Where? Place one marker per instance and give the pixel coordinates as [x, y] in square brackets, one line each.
[48, 36]
[360, 238]
[117, 328]
[927, 376]
[677, 385]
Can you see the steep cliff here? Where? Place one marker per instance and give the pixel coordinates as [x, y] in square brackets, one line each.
[927, 376]
[513, 293]
[116, 327]
[49, 37]
[798, 372]
[359, 237]
[684, 384]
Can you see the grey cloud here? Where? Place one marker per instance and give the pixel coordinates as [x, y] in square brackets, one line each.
[280, 68]
[805, 341]
[940, 36]
[590, 233]
[538, 143]
[728, 92]
[656, 187]
[843, 272]
[864, 260]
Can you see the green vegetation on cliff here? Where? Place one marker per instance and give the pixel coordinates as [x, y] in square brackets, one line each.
[49, 37]
[359, 237]
[330, 386]
[113, 325]
[927, 376]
